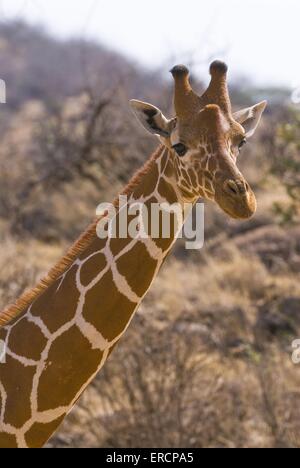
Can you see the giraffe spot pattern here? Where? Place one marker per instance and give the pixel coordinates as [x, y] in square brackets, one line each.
[38, 434]
[8, 441]
[146, 188]
[56, 305]
[27, 340]
[117, 244]
[96, 245]
[212, 165]
[17, 382]
[3, 334]
[193, 177]
[107, 309]
[167, 192]
[69, 364]
[161, 242]
[138, 268]
[91, 268]
[169, 170]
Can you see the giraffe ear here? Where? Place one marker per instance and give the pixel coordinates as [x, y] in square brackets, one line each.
[249, 118]
[151, 118]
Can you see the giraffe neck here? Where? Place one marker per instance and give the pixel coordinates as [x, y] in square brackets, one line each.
[56, 346]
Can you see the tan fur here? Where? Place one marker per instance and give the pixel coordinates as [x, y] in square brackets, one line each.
[12, 311]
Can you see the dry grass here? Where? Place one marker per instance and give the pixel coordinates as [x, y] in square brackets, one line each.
[21, 264]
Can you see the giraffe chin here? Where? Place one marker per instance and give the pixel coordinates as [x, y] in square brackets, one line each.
[239, 211]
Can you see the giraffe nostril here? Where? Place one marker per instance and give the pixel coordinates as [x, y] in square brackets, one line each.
[236, 188]
[243, 187]
[231, 186]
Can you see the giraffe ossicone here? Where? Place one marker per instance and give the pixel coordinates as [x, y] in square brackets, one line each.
[59, 335]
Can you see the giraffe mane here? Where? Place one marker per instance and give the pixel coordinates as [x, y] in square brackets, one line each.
[29, 296]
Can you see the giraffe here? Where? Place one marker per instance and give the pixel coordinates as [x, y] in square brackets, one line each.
[59, 335]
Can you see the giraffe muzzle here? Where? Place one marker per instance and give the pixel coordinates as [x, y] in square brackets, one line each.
[236, 198]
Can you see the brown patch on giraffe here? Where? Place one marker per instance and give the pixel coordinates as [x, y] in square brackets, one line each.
[212, 165]
[17, 382]
[164, 244]
[27, 340]
[208, 175]
[209, 186]
[167, 191]
[205, 161]
[187, 193]
[71, 362]
[201, 152]
[57, 306]
[97, 245]
[145, 189]
[150, 205]
[118, 244]
[186, 186]
[38, 434]
[3, 334]
[91, 268]
[107, 309]
[169, 170]
[138, 268]
[185, 175]
[8, 441]
[197, 166]
[200, 179]
[193, 177]
[201, 193]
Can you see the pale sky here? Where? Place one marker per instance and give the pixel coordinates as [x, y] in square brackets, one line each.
[259, 39]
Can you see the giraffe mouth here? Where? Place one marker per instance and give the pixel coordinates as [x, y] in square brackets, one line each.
[242, 209]
[238, 216]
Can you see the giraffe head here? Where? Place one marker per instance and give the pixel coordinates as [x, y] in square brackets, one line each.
[205, 139]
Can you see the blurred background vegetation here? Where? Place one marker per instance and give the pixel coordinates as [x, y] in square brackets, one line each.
[207, 360]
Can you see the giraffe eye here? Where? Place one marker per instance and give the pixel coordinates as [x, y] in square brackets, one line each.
[242, 143]
[180, 149]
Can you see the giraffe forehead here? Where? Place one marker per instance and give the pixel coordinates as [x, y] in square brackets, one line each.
[189, 134]
[210, 124]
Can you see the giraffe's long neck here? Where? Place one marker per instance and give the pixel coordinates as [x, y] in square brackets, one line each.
[56, 346]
